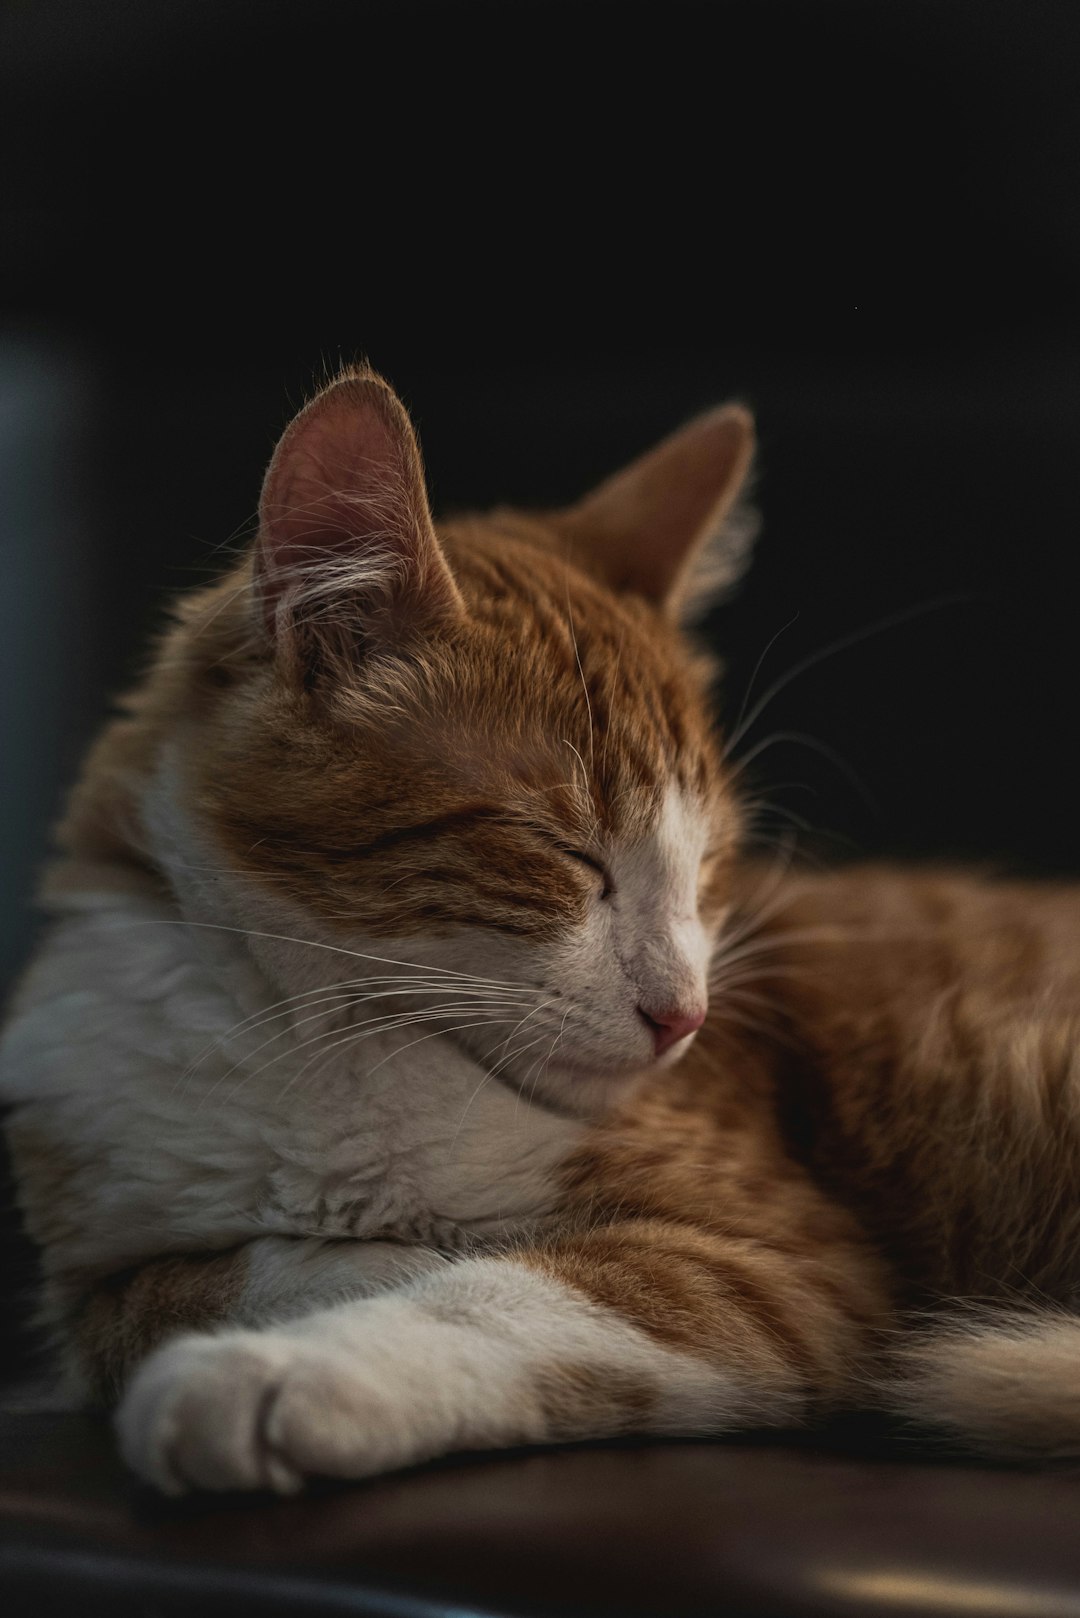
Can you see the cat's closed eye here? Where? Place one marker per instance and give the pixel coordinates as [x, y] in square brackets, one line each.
[607, 887]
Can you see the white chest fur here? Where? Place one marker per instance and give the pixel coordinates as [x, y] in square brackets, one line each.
[181, 1129]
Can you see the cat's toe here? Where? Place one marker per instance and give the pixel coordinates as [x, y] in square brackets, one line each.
[195, 1417]
[328, 1419]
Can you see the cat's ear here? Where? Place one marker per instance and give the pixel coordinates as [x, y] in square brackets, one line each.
[674, 526]
[347, 556]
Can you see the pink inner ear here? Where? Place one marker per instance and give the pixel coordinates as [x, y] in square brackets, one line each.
[334, 484]
[344, 477]
[346, 485]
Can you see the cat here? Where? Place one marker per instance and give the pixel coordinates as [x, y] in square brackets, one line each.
[418, 1060]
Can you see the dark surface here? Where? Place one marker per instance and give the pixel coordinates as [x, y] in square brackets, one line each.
[658, 1529]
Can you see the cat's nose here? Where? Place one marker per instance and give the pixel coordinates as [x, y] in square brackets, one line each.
[670, 1024]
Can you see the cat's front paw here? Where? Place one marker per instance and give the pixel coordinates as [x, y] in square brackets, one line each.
[249, 1410]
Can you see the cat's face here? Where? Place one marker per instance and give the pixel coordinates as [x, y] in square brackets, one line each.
[469, 753]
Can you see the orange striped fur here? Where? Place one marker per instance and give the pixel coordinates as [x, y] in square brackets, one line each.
[413, 735]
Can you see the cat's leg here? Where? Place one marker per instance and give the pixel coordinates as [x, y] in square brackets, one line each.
[644, 1327]
[123, 1318]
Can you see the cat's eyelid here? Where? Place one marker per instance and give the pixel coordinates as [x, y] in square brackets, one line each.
[582, 855]
[595, 865]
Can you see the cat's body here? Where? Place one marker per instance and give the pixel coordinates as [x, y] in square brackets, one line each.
[383, 916]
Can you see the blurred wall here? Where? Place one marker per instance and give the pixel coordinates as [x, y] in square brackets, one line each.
[50, 671]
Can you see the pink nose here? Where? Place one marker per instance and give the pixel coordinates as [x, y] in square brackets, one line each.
[669, 1026]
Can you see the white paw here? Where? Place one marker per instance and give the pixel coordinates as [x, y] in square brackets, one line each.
[477, 1355]
[249, 1410]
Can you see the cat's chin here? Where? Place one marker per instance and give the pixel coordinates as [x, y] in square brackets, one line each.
[576, 1090]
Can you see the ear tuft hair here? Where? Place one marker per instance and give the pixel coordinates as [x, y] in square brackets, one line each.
[724, 559]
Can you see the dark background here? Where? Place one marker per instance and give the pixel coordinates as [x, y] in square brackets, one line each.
[560, 229]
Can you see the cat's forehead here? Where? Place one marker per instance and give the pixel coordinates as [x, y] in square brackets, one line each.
[555, 682]
[557, 642]
[579, 764]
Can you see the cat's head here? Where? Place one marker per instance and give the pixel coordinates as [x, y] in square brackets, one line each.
[485, 749]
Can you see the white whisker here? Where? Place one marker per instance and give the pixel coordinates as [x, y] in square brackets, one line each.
[311, 943]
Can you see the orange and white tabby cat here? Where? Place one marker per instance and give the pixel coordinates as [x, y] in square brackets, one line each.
[417, 1063]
